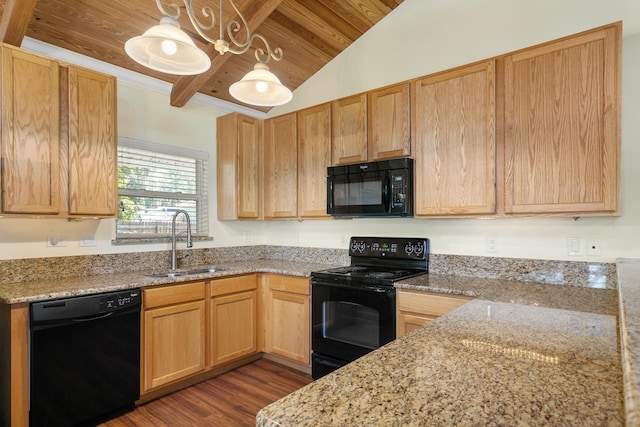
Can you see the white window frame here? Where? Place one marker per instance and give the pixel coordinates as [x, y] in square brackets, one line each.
[201, 198]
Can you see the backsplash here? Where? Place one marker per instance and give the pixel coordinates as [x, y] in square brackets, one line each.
[570, 273]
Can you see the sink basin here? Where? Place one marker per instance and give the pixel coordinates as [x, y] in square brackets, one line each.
[180, 273]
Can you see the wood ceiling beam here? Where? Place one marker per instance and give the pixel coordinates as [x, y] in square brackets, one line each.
[186, 86]
[15, 19]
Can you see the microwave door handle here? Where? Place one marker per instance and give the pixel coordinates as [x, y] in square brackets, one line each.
[385, 192]
[330, 193]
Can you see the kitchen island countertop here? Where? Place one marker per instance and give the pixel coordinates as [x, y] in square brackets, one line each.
[519, 354]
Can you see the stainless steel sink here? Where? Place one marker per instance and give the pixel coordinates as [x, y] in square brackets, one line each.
[180, 273]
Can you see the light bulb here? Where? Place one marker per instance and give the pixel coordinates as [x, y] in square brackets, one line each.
[261, 86]
[169, 47]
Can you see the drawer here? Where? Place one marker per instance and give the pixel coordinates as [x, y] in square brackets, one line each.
[293, 284]
[173, 294]
[230, 285]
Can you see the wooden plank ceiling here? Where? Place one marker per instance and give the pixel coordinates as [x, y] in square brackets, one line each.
[310, 32]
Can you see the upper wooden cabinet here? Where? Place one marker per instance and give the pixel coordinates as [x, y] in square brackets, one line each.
[239, 159]
[388, 125]
[534, 132]
[30, 133]
[314, 156]
[562, 116]
[454, 133]
[59, 134]
[296, 157]
[349, 130]
[281, 167]
[93, 150]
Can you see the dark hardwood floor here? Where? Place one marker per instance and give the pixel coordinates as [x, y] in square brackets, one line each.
[230, 399]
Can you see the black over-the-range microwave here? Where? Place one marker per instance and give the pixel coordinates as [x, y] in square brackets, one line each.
[383, 188]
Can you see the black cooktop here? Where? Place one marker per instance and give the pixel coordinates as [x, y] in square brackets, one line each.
[380, 261]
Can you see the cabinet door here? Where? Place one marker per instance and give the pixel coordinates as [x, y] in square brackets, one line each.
[93, 161]
[562, 116]
[174, 343]
[406, 323]
[30, 133]
[415, 308]
[349, 130]
[238, 141]
[233, 326]
[454, 132]
[287, 323]
[249, 173]
[388, 124]
[314, 142]
[280, 167]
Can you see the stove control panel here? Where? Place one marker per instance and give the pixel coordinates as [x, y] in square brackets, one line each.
[389, 247]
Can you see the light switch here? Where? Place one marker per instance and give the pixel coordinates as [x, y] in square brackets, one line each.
[574, 246]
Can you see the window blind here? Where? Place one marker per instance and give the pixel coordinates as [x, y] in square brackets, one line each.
[156, 180]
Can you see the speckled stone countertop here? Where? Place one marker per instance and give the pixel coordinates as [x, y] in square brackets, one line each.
[45, 289]
[629, 297]
[519, 354]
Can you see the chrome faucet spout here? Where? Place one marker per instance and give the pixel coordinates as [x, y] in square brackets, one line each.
[174, 258]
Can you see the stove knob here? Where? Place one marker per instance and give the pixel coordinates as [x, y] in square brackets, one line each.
[418, 249]
[408, 249]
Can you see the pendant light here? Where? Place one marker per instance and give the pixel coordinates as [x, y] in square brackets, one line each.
[260, 87]
[168, 49]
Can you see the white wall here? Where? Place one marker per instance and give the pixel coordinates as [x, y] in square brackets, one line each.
[421, 37]
[446, 33]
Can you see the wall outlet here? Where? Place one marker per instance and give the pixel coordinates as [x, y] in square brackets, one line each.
[492, 245]
[574, 246]
[56, 241]
[593, 247]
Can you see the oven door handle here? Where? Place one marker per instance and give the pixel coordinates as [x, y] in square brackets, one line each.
[376, 289]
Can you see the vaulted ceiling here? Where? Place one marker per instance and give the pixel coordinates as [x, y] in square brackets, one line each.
[310, 32]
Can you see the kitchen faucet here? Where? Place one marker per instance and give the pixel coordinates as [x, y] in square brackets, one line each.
[174, 258]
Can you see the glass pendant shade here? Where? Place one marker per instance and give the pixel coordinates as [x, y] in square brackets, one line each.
[260, 87]
[168, 49]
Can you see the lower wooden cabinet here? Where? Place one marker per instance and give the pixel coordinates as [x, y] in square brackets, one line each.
[197, 327]
[287, 317]
[233, 319]
[417, 308]
[173, 335]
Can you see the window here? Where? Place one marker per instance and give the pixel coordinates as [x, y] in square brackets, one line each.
[154, 181]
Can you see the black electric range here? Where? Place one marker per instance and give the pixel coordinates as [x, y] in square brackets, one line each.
[353, 308]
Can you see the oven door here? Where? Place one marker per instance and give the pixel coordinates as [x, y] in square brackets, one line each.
[349, 321]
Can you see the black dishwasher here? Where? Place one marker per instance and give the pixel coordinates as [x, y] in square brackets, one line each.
[84, 358]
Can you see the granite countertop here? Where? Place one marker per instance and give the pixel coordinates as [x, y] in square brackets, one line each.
[629, 298]
[519, 354]
[41, 290]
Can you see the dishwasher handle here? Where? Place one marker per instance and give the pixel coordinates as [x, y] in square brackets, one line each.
[92, 318]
